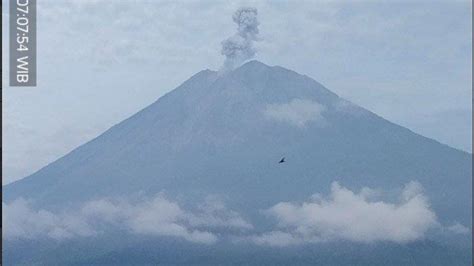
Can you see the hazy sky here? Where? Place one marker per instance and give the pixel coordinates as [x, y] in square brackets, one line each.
[101, 61]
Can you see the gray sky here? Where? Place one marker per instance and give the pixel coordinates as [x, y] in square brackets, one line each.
[100, 61]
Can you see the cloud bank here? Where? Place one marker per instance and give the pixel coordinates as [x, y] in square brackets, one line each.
[297, 112]
[239, 47]
[156, 216]
[342, 215]
[20, 221]
[345, 215]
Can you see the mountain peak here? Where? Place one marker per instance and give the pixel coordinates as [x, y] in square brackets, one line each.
[254, 64]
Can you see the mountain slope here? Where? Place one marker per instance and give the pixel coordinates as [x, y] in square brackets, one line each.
[224, 134]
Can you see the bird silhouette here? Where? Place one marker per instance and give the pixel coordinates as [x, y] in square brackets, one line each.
[282, 160]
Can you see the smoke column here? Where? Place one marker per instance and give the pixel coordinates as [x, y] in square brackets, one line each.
[239, 47]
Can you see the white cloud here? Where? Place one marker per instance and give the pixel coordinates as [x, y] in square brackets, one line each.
[157, 216]
[20, 221]
[297, 112]
[458, 228]
[351, 216]
[213, 213]
[277, 239]
[164, 218]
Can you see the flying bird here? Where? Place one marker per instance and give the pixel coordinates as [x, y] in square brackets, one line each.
[282, 160]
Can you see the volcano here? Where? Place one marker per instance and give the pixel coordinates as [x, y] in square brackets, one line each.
[222, 133]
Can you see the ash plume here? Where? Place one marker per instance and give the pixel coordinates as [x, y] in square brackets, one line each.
[239, 47]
